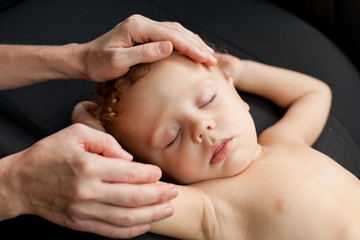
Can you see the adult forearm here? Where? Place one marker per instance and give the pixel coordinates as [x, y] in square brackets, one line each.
[105, 58]
[23, 65]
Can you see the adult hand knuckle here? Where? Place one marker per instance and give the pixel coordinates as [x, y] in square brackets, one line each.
[136, 199]
[80, 165]
[109, 139]
[156, 216]
[114, 233]
[80, 193]
[133, 174]
[134, 20]
[145, 51]
[71, 212]
[131, 233]
[135, 17]
[162, 194]
[177, 25]
[116, 60]
[197, 36]
[84, 168]
[77, 128]
[128, 219]
[70, 221]
[121, 233]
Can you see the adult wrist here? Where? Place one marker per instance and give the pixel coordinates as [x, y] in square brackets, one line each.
[73, 61]
[10, 201]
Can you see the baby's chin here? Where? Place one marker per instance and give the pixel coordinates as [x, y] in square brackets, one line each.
[229, 171]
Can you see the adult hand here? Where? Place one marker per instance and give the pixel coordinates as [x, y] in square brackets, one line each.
[102, 59]
[111, 55]
[81, 178]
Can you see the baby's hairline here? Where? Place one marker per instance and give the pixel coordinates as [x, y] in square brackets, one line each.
[130, 79]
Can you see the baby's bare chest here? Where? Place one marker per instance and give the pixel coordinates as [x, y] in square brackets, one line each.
[297, 196]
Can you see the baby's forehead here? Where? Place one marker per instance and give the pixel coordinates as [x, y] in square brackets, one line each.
[173, 77]
[170, 85]
[180, 67]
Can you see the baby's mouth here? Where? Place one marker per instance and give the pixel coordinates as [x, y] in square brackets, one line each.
[220, 150]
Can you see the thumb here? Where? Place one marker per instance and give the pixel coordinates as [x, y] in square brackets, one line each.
[98, 142]
[149, 52]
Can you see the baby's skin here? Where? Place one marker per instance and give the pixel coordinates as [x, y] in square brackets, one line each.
[189, 120]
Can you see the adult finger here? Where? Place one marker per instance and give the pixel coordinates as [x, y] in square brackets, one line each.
[110, 230]
[123, 217]
[191, 45]
[149, 52]
[182, 39]
[120, 171]
[131, 195]
[188, 42]
[99, 142]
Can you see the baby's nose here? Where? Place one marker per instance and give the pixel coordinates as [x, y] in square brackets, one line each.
[201, 129]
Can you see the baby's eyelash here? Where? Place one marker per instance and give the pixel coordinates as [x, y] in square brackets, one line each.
[210, 101]
[177, 137]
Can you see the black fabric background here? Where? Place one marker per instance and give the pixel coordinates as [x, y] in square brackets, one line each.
[251, 29]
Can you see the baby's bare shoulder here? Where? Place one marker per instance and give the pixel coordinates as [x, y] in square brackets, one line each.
[281, 134]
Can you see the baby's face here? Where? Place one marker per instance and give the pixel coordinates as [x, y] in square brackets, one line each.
[187, 119]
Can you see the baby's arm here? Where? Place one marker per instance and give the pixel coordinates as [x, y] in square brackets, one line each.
[306, 99]
[194, 216]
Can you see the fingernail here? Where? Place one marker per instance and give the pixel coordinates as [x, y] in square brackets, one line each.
[168, 212]
[173, 193]
[127, 155]
[165, 47]
[210, 49]
[145, 228]
[156, 173]
[213, 59]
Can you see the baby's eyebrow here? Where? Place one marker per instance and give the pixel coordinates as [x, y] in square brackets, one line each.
[155, 133]
[153, 137]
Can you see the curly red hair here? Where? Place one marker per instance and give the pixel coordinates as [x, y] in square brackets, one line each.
[109, 94]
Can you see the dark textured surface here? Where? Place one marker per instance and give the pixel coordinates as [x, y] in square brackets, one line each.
[250, 29]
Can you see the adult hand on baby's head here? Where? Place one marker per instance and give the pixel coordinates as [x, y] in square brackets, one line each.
[82, 179]
[112, 54]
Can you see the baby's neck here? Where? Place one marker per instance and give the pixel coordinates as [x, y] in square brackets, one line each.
[258, 152]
